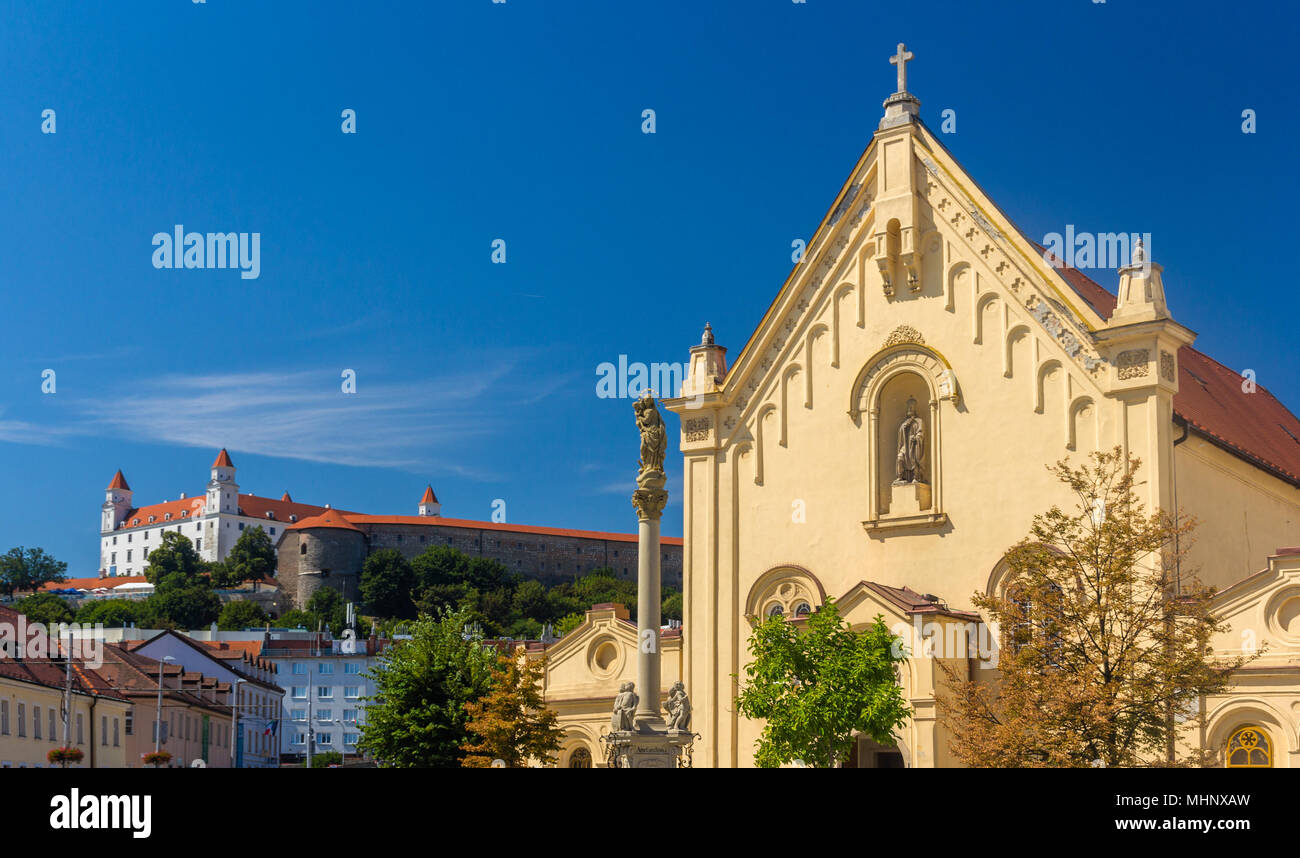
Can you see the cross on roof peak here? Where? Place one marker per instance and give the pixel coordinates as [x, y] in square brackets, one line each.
[900, 59]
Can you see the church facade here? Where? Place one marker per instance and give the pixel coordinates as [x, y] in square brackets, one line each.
[883, 438]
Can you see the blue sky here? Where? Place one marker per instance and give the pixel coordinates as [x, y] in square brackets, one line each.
[522, 121]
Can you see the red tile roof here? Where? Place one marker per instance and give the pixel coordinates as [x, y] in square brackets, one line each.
[119, 481]
[1253, 426]
[428, 521]
[251, 506]
[330, 518]
[223, 460]
[92, 583]
[429, 496]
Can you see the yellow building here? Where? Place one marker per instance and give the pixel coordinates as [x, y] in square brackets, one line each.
[31, 723]
[921, 317]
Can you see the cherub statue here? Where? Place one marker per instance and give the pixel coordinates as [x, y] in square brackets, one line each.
[679, 708]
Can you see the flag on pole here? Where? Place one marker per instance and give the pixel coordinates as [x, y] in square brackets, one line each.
[270, 728]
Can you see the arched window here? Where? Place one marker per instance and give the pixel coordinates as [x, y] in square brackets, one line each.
[803, 609]
[1249, 748]
[580, 759]
[775, 609]
[1035, 621]
[302, 547]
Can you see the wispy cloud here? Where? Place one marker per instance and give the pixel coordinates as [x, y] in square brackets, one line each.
[304, 414]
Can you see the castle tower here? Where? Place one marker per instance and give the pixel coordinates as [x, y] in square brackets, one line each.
[429, 505]
[223, 491]
[117, 503]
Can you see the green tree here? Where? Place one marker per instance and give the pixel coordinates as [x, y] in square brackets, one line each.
[295, 618]
[569, 622]
[110, 612]
[240, 614]
[817, 687]
[417, 716]
[1107, 637]
[325, 759]
[387, 580]
[44, 608]
[672, 605]
[175, 564]
[181, 607]
[28, 568]
[511, 722]
[327, 607]
[252, 558]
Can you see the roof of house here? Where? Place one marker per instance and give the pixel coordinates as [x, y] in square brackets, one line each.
[52, 672]
[438, 521]
[119, 481]
[1245, 420]
[429, 496]
[223, 460]
[912, 602]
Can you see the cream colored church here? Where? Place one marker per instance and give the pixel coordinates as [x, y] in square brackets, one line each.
[921, 314]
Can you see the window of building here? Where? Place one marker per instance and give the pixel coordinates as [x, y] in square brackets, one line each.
[299, 692]
[350, 715]
[50, 713]
[81, 735]
[302, 548]
[128, 555]
[298, 715]
[22, 720]
[198, 544]
[36, 722]
[324, 714]
[351, 738]
[352, 667]
[146, 554]
[581, 759]
[352, 691]
[116, 735]
[324, 738]
[146, 535]
[273, 531]
[299, 669]
[325, 667]
[241, 525]
[130, 723]
[325, 692]
[167, 516]
[103, 730]
[1248, 748]
[113, 557]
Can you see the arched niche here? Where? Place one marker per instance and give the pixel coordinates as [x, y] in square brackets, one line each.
[788, 587]
[904, 372]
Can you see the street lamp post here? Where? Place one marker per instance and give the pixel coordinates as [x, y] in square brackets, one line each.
[157, 730]
[234, 720]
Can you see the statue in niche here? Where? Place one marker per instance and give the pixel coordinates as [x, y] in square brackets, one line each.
[911, 447]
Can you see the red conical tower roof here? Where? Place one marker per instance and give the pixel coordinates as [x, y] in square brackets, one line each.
[429, 496]
[119, 482]
[285, 497]
[223, 460]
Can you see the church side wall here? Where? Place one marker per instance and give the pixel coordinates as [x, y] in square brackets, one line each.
[1244, 514]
